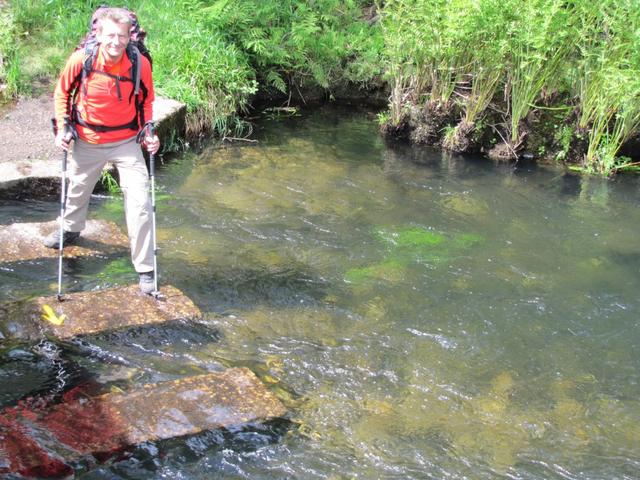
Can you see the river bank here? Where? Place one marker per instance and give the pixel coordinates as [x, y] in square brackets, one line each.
[550, 81]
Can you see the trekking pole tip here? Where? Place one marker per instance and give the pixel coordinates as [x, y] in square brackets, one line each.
[158, 295]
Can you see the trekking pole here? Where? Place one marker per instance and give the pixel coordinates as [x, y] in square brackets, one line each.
[63, 201]
[63, 198]
[152, 174]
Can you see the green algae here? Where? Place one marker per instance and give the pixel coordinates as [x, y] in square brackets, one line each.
[412, 237]
[408, 246]
[391, 271]
[116, 269]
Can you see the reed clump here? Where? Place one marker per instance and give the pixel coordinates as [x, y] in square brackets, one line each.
[513, 67]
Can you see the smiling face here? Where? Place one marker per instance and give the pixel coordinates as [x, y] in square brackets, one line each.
[114, 38]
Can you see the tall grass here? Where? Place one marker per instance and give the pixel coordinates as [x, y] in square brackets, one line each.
[540, 44]
[609, 81]
[487, 30]
[564, 52]
[424, 46]
[485, 27]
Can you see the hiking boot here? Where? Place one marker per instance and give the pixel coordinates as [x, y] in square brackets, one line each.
[53, 240]
[147, 284]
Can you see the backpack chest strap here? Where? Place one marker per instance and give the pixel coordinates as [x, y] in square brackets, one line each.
[118, 79]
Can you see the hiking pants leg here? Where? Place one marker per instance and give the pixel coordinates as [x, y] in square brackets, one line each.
[134, 182]
[85, 166]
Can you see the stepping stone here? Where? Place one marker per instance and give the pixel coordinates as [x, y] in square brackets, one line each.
[23, 241]
[94, 312]
[43, 442]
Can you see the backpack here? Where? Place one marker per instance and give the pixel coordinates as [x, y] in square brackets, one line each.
[135, 48]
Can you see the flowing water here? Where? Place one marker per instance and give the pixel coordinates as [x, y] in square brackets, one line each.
[421, 315]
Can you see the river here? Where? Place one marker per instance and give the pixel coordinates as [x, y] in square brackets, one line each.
[422, 315]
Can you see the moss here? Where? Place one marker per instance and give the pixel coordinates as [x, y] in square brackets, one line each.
[411, 237]
[390, 270]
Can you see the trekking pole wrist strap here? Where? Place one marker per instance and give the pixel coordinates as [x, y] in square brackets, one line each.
[148, 128]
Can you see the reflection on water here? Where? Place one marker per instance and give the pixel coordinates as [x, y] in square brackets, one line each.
[422, 315]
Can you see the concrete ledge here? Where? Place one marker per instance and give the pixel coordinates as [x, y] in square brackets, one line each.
[38, 174]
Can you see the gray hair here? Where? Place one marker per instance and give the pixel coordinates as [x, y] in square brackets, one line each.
[116, 15]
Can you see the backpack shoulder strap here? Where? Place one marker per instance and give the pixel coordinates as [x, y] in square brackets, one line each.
[136, 66]
[90, 54]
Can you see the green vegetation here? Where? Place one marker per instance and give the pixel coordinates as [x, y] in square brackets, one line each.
[7, 54]
[484, 72]
[213, 55]
[408, 245]
[510, 61]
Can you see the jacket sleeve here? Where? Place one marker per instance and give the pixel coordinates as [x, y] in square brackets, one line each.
[64, 88]
[147, 80]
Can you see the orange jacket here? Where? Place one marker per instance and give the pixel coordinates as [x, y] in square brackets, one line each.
[101, 105]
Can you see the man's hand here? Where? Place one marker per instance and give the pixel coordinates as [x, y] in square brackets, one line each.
[63, 138]
[152, 144]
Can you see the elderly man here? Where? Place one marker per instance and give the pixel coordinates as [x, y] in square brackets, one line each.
[107, 109]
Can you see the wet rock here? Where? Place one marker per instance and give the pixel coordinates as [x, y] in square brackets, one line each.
[94, 311]
[23, 241]
[44, 442]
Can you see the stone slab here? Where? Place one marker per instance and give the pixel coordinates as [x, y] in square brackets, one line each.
[42, 443]
[95, 311]
[23, 241]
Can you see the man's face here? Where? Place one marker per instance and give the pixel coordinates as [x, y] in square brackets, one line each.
[114, 38]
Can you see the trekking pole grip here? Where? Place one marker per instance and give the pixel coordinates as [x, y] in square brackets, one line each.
[152, 156]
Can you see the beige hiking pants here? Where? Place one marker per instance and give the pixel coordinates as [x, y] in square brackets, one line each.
[85, 166]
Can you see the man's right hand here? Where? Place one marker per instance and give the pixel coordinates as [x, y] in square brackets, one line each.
[63, 139]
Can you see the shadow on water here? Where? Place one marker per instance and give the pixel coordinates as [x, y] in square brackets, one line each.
[421, 314]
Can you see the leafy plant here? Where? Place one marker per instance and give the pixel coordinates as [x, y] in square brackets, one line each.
[8, 63]
[108, 181]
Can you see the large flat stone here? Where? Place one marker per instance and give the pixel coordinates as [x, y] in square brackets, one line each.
[42, 443]
[23, 241]
[94, 312]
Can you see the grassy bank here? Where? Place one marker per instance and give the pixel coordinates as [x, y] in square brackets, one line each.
[211, 55]
[552, 79]
[498, 70]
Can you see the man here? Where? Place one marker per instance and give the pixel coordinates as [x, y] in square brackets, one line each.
[102, 114]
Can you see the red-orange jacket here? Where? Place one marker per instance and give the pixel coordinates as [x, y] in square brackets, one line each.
[101, 105]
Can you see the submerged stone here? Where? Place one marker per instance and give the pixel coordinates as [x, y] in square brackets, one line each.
[43, 443]
[23, 241]
[95, 311]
